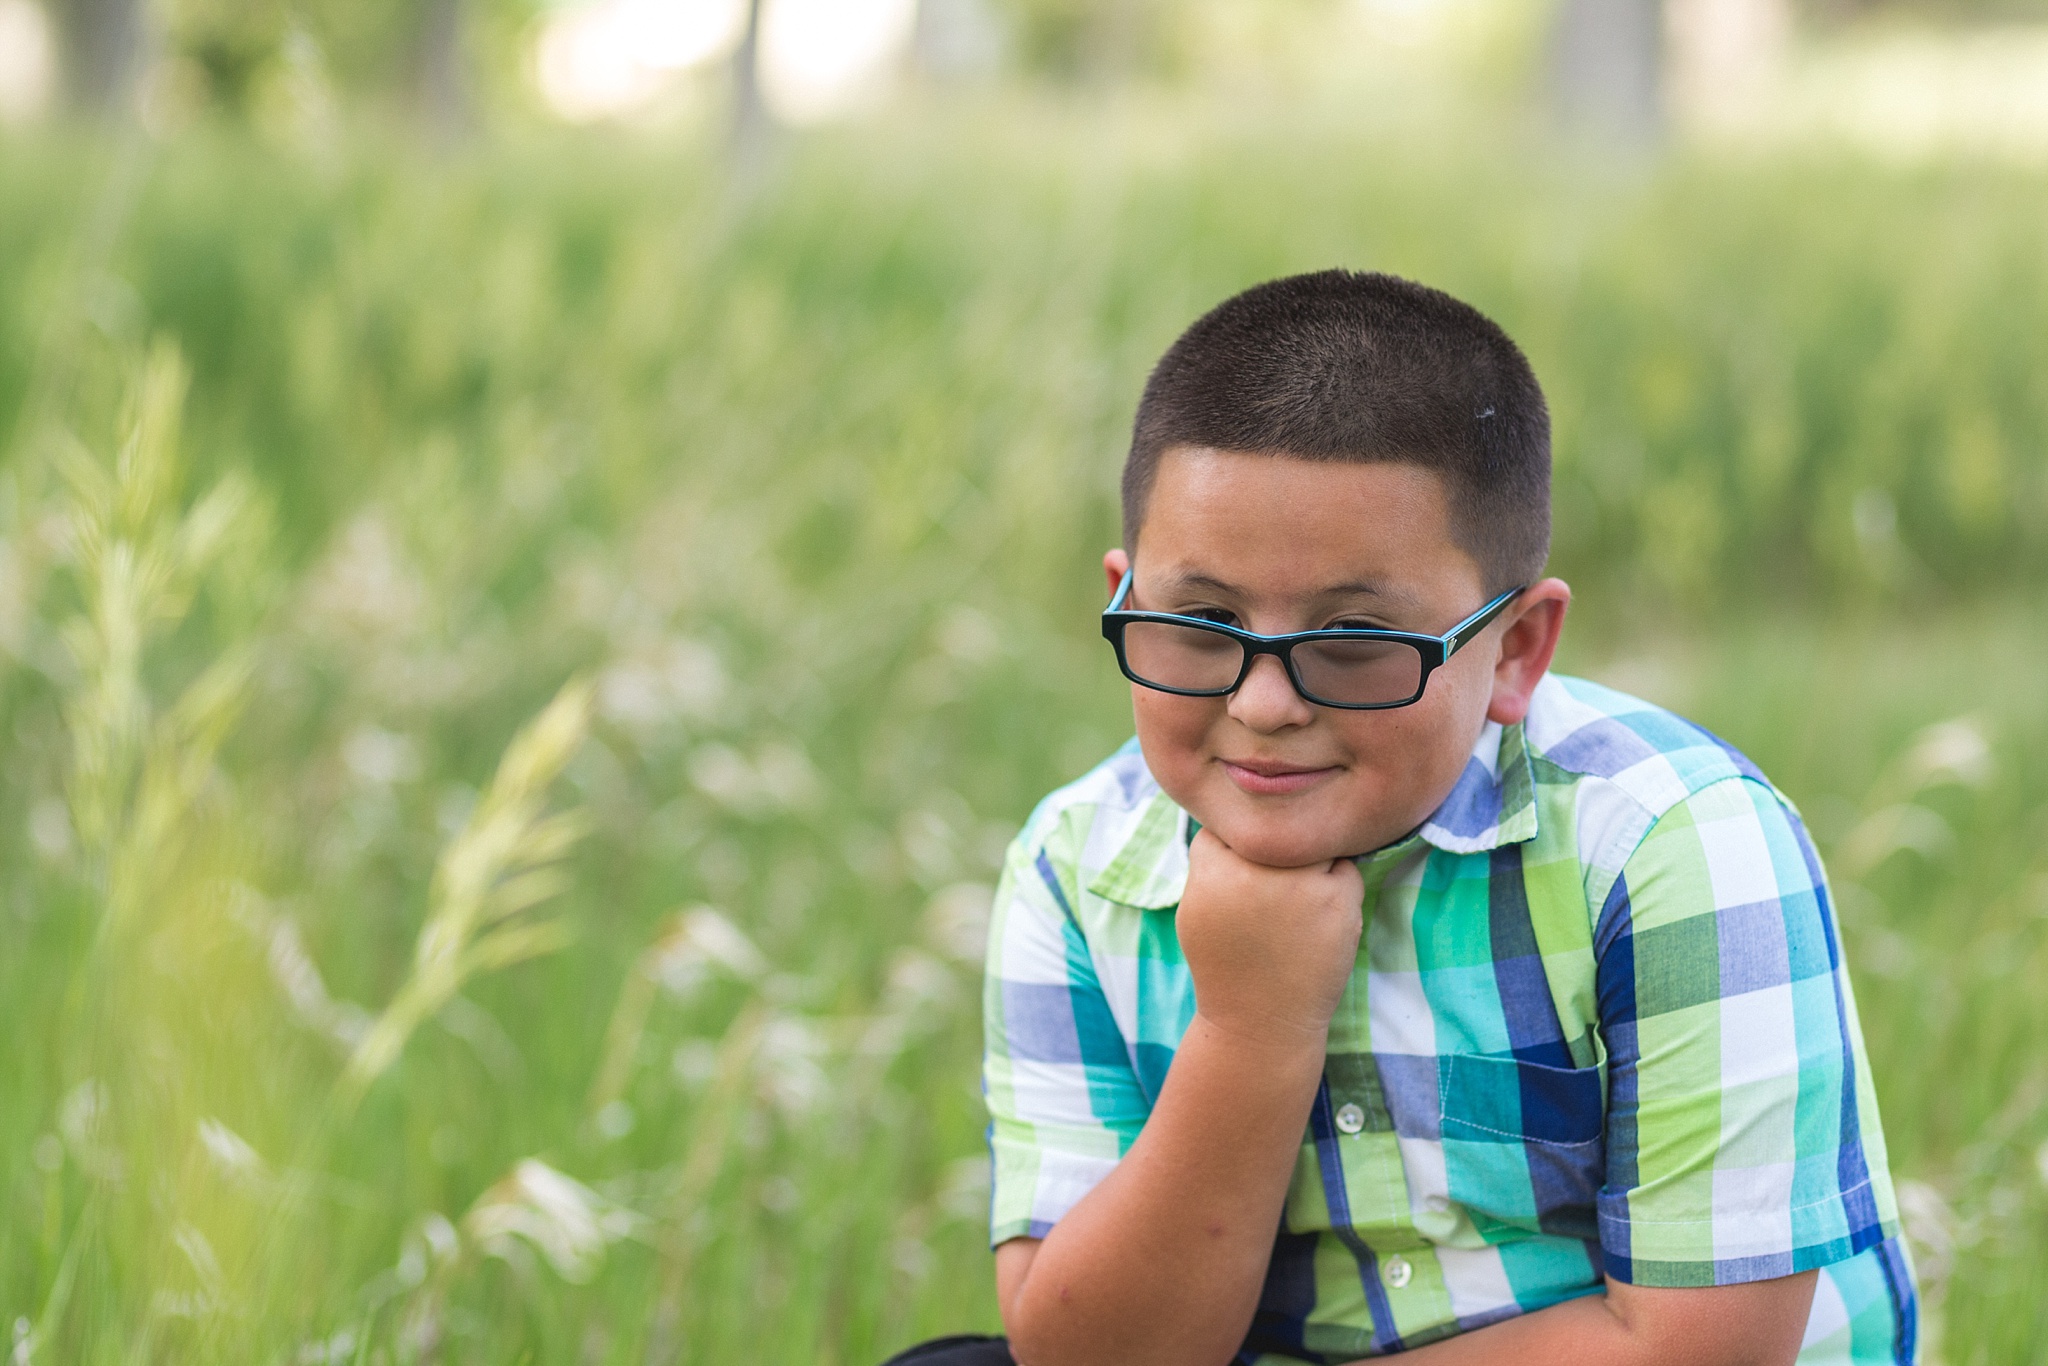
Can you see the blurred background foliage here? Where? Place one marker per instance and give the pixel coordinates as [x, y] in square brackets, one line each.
[528, 617]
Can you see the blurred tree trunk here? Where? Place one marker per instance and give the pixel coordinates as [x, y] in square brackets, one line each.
[1607, 62]
[441, 83]
[100, 42]
[749, 115]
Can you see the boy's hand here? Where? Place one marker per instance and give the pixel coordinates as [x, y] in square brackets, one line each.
[1270, 949]
[1164, 1259]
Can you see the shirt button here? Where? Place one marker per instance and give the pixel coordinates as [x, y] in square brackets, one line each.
[1350, 1119]
[1397, 1271]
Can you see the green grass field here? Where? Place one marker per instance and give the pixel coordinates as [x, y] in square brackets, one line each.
[345, 1027]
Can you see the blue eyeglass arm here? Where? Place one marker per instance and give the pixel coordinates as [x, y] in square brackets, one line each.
[1471, 626]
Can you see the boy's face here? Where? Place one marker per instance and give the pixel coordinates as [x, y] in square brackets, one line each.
[1273, 544]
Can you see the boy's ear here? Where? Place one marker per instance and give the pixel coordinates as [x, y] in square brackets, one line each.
[1527, 642]
[1115, 565]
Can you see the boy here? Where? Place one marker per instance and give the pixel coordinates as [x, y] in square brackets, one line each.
[1390, 993]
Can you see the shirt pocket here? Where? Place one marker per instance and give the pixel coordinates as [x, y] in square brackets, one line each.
[1524, 1144]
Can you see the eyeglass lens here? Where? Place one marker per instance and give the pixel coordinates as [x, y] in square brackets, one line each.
[1359, 672]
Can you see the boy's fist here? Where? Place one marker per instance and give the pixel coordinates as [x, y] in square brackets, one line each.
[1270, 949]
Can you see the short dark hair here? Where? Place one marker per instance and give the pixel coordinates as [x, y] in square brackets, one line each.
[1359, 366]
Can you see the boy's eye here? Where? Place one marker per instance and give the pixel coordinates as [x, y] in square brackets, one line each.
[1355, 624]
[1215, 614]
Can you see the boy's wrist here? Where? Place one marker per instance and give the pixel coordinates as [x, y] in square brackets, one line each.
[1272, 1036]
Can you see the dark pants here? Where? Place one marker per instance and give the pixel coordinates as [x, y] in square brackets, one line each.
[960, 1351]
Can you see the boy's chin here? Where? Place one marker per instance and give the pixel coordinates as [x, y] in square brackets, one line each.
[1277, 843]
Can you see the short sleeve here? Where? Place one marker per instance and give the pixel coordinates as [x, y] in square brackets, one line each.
[1742, 1134]
[1064, 1100]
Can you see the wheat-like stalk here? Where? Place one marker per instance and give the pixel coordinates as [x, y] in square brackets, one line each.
[504, 863]
[137, 560]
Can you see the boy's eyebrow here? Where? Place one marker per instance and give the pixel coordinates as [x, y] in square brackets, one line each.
[1197, 579]
[1369, 589]
[1361, 587]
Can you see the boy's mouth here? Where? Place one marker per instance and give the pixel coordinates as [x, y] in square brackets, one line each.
[1267, 778]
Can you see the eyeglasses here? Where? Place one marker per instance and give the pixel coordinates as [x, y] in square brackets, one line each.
[1358, 670]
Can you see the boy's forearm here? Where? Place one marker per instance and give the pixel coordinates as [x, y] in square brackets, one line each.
[1163, 1262]
[1759, 1324]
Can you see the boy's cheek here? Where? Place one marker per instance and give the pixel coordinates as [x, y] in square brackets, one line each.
[1173, 733]
[1177, 738]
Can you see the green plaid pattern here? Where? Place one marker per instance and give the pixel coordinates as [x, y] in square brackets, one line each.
[1600, 1023]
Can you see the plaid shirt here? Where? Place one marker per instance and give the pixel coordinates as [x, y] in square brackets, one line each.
[1600, 1023]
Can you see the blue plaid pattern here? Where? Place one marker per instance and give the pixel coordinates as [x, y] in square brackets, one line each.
[1600, 1025]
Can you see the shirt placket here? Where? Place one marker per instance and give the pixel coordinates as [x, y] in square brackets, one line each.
[1351, 1134]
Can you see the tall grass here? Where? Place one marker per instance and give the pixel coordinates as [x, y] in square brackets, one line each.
[334, 1044]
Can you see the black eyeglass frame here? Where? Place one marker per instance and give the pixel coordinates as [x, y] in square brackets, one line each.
[1434, 650]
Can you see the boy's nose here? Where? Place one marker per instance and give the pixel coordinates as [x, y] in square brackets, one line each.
[1267, 700]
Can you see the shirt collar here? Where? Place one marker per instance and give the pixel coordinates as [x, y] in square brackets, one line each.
[1494, 801]
[1493, 804]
